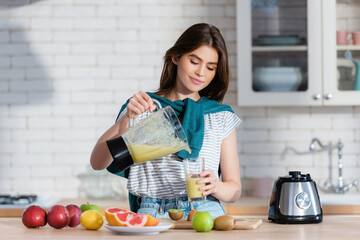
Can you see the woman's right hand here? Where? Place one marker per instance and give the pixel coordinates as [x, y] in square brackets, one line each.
[140, 103]
[101, 156]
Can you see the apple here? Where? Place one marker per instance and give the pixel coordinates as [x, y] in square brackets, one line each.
[34, 216]
[85, 207]
[58, 216]
[74, 214]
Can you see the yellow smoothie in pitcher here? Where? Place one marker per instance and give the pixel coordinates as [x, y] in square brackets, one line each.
[193, 188]
[142, 153]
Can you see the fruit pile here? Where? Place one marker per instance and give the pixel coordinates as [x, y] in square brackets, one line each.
[124, 218]
[201, 221]
[59, 216]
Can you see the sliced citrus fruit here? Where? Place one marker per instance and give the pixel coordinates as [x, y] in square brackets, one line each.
[121, 218]
[110, 215]
[137, 220]
[151, 221]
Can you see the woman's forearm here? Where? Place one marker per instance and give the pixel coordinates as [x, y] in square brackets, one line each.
[101, 156]
[228, 191]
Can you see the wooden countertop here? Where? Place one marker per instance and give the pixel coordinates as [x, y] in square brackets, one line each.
[245, 206]
[332, 227]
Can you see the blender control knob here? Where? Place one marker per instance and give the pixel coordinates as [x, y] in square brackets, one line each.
[303, 200]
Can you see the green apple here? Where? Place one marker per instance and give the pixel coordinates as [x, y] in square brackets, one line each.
[84, 207]
[202, 221]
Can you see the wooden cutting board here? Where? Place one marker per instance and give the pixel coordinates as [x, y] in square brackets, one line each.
[241, 223]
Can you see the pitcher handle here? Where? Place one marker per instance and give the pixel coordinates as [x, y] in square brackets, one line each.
[131, 119]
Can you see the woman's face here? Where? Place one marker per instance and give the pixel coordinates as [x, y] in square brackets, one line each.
[196, 69]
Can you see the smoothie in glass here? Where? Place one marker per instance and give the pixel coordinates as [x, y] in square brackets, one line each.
[193, 167]
[193, 188]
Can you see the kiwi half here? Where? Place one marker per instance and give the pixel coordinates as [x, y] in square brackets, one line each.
[176, 214]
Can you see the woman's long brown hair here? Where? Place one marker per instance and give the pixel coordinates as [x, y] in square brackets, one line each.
[194, 37]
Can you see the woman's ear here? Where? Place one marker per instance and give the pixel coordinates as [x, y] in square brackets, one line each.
[175, 60]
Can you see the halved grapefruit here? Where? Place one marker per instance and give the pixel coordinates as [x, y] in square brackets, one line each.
[151, 221]
[110, 215]
[122, 218]
[137, 220]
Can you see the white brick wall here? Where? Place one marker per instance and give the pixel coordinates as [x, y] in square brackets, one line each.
[66, 67]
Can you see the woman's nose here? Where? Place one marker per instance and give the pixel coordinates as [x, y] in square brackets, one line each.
[200, 70]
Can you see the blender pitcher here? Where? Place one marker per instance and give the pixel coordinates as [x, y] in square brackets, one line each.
[156, 136]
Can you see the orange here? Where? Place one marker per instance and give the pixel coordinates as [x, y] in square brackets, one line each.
[151, 221]
[122, 218]
[191, 214]
[110, 215]
[137, 220]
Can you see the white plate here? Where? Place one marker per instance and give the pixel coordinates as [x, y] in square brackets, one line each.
[140, 230]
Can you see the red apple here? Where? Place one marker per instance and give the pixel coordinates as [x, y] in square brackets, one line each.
[74, 214]
[34, 216]
[58, 216]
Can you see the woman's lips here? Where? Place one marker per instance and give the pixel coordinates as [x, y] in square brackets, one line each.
[196, 81]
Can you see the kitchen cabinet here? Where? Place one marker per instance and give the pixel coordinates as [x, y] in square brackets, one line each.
[287, 52]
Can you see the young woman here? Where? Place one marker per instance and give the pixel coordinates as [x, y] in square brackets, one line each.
[194, 80]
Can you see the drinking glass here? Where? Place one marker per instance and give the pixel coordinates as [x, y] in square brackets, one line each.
[193, 167]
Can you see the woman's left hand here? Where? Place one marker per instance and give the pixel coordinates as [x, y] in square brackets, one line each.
[210, 180]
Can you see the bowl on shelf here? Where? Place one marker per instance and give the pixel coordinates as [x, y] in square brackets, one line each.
[277, 79]
[278, 40]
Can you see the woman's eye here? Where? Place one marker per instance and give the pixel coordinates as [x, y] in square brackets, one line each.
[193, 62]
[211, 69]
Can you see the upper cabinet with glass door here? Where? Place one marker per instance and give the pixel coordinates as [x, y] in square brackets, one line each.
[287, 53]
[341, 55]
[279, 52]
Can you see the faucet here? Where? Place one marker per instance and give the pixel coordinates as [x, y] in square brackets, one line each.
[312, 144]
[340, 188]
